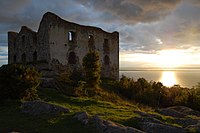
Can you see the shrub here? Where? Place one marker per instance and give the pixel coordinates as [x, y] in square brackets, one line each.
[18, 82]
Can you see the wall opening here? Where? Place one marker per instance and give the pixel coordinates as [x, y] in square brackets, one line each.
[23, 39]
[23, 58]
[91, 44]
[106, 60]
[14, 58]
[71, 36]
[14, 44]
[106, 47]
[72, 58]
[35, 56]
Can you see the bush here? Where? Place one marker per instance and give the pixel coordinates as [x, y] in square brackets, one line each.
[18, 82]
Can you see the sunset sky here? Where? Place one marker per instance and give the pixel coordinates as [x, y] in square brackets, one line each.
[153, 33]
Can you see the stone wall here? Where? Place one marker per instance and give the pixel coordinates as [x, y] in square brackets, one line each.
[61, 45]
[22, 46]
[70, 42]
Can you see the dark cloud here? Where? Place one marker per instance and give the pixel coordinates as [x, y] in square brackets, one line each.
[14, 13]
[132, 11]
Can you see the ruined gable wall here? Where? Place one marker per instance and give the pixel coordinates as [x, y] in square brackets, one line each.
[61, 48]
[22, 45]
[12, 36]
[43, 39]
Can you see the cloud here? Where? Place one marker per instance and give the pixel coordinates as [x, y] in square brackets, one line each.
[145, 26]
[3, 55]
[14, 14]
[3, 50]
[132, 11]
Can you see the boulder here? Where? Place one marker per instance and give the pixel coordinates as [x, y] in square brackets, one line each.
[171, 112]
[83, 117]
[104, 126]
[186, 110]
[38, 107]
[153, 125]
[185, 122]
[146, 120]
[149, 127]
[194, 128]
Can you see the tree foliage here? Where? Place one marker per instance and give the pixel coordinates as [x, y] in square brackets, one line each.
[18, 82]
[156, 94]
[91, 68]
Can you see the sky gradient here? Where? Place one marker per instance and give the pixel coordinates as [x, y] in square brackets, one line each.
[153, 33]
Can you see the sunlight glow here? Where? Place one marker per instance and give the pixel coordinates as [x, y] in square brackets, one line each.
[162, 59]
[168, 78]
[171, 58]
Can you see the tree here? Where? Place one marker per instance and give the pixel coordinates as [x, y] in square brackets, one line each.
[91, 67]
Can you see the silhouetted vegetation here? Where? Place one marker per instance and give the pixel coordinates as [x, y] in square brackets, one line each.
[156, 94]
[91, 67]
[18, 82]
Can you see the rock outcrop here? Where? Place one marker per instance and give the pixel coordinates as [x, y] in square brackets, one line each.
[180, 119]
[171, 112]
[40, 107]
[149, 127]
[194, 128]
[83, 117]
[186, 110]
[153, 125]
[103, 126]
[179, 122]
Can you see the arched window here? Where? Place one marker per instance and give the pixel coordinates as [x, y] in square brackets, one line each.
[23, 58]
[71, 36]
[91, 44]
[14, 58]
[72, 58]
[23, 39]
[106, 60]
[14, 44]
[35, 56]
[106, 48]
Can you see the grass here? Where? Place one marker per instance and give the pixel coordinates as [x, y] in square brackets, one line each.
[120, 111]
[106, 110]
[12, 119]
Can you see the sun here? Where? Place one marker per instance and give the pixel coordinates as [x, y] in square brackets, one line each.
[168, 78]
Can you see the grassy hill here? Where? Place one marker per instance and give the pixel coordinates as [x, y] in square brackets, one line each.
[120, 111]
[12, 119]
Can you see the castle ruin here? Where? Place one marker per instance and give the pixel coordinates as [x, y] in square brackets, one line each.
[59, 46]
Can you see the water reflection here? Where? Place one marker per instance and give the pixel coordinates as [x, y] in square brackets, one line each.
[168, 78]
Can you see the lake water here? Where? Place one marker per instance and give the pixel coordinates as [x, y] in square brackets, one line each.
[185, 78]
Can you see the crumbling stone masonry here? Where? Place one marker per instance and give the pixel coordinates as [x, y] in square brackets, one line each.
[60, 46]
